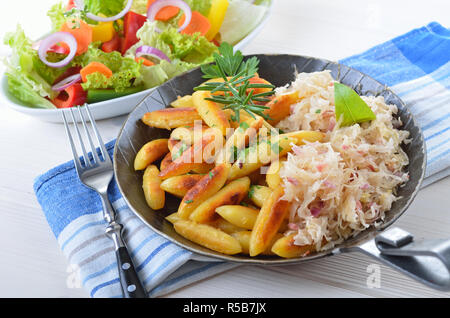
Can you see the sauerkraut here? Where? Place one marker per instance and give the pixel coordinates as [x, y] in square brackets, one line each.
[348, 182]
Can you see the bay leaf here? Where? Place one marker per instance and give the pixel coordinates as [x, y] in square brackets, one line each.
[349, 106]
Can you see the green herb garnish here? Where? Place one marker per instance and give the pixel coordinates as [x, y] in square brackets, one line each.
[349, 106]
[234, 151]
[229, 63]
[251, 192]
[180, 151]
[276, 148]
[243, 126]
[76, 14]
[188, 201]
[243, 153]
[236, 74]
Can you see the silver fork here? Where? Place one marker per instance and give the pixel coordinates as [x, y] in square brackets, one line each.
[96, 173]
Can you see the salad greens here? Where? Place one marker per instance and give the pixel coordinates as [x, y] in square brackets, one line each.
[56, 15]
[185, 51]
[159, 73]
[125, 70]
[194, 49]
[202, 6]
[107, 8]
[139, 6]
[23, 70]
[114, 45]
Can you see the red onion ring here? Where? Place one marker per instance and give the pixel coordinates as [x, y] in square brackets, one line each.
[293, 226]
[159, 4]
[51, 40]
[294, 181]
[80, 5]
[151, 51]
[67, 82]
[315, 211]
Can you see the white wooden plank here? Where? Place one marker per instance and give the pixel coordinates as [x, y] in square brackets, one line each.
[254, 281]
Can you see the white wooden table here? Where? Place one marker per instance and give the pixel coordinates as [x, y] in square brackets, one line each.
[31, 264]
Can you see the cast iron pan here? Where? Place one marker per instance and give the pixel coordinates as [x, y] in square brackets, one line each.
[427, 261]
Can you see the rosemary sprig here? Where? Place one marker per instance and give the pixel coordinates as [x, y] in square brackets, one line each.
[237, 91]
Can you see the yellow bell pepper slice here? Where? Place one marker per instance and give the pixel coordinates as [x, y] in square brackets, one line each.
[103, 32]
[216, 15]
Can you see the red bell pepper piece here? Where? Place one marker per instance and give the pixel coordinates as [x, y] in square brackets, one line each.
[215, 42]
[112, 45]
[74, 95]
[132, 22]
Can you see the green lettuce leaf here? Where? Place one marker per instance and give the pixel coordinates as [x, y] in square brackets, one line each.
[108, 8]
[149, 36]
[139, 6]
[195, 49]
[157, 74]
[185, 52]
[56, 15]
[26, 91]
[201, 6]
[125, 70]
[24, 69]
[49, 74]
[242, 17]
[152, 76]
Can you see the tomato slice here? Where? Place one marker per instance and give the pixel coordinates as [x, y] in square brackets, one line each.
[112, 45]
[132, 22]
[72, 96]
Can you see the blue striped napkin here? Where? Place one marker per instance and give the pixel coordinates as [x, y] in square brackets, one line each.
[75, 215]
[415, 65]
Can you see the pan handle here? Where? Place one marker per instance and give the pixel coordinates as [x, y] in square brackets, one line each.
[427, 261]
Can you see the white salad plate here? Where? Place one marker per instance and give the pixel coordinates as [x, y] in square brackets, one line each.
[110, 108]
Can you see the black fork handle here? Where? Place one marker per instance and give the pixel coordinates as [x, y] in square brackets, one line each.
[129, 279]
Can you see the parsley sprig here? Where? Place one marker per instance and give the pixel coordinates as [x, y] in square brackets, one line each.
[76, 14]
[238, 91]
